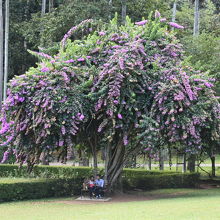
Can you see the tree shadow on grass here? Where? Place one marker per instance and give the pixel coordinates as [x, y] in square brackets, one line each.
[135, 196]
[180, 193]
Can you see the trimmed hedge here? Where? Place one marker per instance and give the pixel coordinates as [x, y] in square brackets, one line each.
[39, 188]
[127, 172]
[159, 181]
[8, 170]
[67, 181]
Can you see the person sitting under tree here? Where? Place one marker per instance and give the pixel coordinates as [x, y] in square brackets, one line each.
[91, 187]
[99, 186]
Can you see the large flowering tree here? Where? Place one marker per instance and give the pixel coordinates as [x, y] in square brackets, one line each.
[124, 88]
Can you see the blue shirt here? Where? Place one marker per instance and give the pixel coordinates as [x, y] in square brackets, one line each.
[99, 183]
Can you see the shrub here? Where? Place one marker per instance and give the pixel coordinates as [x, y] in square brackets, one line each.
[67, 181]
[15, 189]
[140, 172]
[7, 170]
[162, 180]
[39, 188]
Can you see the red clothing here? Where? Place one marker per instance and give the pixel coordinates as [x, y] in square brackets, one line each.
[91, 183]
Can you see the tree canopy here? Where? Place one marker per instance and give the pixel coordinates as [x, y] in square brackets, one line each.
[125, 87]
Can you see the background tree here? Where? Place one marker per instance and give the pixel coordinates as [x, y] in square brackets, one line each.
[123, 10]
[1, 53]
[174, 12]
[44, 6]
[51, 5]
[196, 18]
[6, 48]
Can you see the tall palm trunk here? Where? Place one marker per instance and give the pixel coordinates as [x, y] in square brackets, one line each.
[43, 12]
[1, 52]
[174, 12]
[43, 7]
[6, 47]
[51, 5]
[123, 10]
[196, 19]
[110, 9]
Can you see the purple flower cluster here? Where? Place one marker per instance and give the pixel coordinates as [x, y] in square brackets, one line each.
[45, 69]
[120, 116]
[43, 55]
[157, 14]
[5, 156]
[141, 23]
[73, 29]
[175, 25]
[186, 83]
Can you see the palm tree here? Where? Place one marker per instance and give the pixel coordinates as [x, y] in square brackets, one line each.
[196, 18]
[1, 51]
[110, 9]
[51, 5]
[6, 47]
[43, 7]
[123, 10]
[174, 12]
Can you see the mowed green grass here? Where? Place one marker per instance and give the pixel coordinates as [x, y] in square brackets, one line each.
[175, 204]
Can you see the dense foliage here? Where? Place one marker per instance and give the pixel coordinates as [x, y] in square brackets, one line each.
[123, 85]
[30, 30]
[16, 189]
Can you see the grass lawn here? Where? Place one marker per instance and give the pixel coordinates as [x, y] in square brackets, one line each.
[172, 204]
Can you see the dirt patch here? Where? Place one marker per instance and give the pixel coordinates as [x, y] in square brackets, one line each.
[120, 198]
[209, 186]
[115, 199]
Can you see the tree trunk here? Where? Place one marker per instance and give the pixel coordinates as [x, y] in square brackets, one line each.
[113, 166]
[43, 158]
[93, 146]
[43, 7]
[51, 5]
[6, 48]
[103, 154]
[70, 153]
[174, 12]
[184, 163]
[161, 159]
[86, 162]
[74, 156]
[150, 163]
[110, 9]
[192, 163]
[1, 53]
[84, 159]
[123, 11]
[107, 158]
[26, 13]
[196, 19]
[95, 161]
[134, 161]
[170, 158]
[213, 165]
